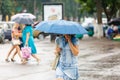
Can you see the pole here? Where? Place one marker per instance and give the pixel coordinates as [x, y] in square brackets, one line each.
[35, 7]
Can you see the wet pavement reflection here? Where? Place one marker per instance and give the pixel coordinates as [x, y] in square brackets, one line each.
[97, 60]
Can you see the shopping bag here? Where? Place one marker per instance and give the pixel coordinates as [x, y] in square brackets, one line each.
[55, 62]
[26, 51]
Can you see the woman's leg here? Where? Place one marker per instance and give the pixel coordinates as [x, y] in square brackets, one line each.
[36, 57]
[12, 48]
[18, 51]
[12, 59]
[22, 59]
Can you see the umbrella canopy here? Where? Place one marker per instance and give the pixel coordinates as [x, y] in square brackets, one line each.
[23, 18]
[24, 15]
[61, 27]
[115, 21]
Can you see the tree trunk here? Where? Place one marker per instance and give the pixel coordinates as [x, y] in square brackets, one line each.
[3, 17]
[110, 12]
[99, 28]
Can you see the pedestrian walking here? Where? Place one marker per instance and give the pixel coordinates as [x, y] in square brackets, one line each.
[21, 43]
[15, 43]
[28, 40]
[67, 47]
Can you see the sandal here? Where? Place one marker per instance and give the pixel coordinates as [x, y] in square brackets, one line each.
[7, 60]
[38, 60]
[23, 61]
[12, 60]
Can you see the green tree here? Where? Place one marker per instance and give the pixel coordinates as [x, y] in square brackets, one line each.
[31, 6]
[6, 7]
[21, 5]
[35, 6]
[91, 6]
[110, 8]
[87, 7]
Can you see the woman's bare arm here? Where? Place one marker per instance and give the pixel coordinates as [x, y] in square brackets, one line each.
[27, 38]
[74, 48]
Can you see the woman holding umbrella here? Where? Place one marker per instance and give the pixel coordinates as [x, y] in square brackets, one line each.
[28, 40]
[27, 34]
[67, 47]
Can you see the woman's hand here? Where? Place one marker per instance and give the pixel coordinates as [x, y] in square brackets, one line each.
[57, 50]
[26, 44]
[74, 48]
[67, 37]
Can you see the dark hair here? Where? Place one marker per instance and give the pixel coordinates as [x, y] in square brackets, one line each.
[28, 24]
[72, 35]
[73, 40]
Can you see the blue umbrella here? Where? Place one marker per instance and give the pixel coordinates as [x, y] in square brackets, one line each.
[60, 27]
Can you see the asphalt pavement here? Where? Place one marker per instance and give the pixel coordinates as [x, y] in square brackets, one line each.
[99, 59]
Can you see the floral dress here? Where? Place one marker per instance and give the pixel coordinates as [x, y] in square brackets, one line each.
[67, 66]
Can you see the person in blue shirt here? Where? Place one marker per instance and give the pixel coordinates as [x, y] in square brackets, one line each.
[110, 32]
[28, 40]
[67, 47]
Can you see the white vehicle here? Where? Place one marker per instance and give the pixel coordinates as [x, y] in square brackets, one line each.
[5, 30]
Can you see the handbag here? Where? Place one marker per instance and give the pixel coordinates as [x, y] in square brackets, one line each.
[16, 42]
[26, 51]
[55, 62]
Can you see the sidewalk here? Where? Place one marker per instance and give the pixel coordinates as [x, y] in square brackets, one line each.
[98, 60]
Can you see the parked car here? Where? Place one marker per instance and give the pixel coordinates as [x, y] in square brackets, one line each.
[5, 30]
[1, 35]
[38, 34]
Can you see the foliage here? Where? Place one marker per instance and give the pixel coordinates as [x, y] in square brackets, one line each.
[33, 6]
[110, 7]
[6, 7]
[87, 6]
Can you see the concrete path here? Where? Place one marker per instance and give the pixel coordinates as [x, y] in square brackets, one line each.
[98, 60]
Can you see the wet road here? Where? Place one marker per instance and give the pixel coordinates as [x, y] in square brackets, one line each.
[98, 60]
